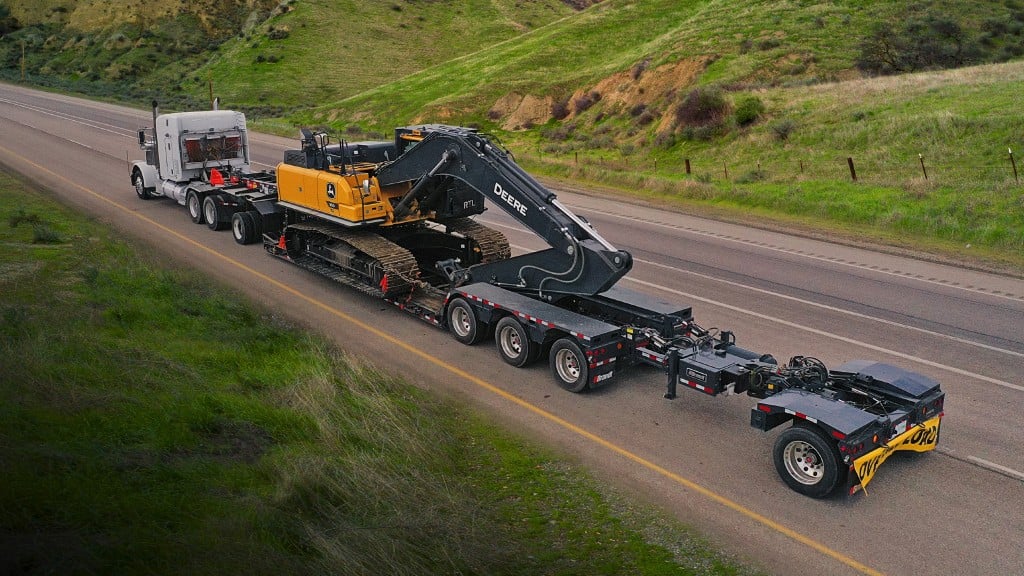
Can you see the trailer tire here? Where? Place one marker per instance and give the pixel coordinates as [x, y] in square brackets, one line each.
[569, 365]
[195, 206]
[140, 185]
[213, 213]
[463, 323]
[243, 227]
[514, 344]
[808, 461]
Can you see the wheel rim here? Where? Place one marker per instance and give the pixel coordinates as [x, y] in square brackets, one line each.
[568, 365]
[193, 206]
[236, 228]
[140, 188]
[511, 344]
[461, 321]
[210, 211]
[803, 463]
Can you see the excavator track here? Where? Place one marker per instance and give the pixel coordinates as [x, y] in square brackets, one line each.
[493, 244]
[394, 263]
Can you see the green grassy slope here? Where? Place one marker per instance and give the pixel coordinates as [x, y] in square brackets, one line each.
[740, 44]
[154, 423]
[342, 47]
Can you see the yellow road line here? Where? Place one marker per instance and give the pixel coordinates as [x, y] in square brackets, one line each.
[686, 483]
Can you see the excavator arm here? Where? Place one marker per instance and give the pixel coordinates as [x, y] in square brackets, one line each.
[579, 262]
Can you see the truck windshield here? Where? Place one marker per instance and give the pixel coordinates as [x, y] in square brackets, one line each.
[213, 148]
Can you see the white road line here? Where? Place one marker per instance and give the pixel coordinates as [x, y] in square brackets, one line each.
[807, 302]
[872, 347]
[835, 309]
[76, 119]
[804, 255]
[999, 469]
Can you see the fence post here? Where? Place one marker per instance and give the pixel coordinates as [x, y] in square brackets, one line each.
[577, 157]
[688, 165]
[853, 171]
[1014, 163]
[726, 168]
[801, 165]
[655, 164]
[923, 169]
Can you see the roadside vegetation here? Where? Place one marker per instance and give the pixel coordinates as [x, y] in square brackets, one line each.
[154, 423]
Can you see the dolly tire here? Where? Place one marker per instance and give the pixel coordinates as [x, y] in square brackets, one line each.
[808, 461]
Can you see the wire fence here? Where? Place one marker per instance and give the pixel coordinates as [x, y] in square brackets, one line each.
[999, 172]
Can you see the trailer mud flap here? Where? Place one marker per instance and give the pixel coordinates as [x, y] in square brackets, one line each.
[921, 438]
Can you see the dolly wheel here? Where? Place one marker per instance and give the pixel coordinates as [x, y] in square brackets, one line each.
[243, 228]
[808, 460]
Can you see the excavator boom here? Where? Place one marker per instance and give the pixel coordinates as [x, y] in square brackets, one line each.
[579, 262]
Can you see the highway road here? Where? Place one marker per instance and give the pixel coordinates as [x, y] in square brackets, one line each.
[959, 510]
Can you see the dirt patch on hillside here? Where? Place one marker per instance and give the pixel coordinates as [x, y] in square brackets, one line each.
[617, 93]
[520, 112]
[632, 87]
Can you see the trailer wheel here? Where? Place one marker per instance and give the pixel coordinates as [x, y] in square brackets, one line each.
[514, 344]
[243, 228]
[463, 323]
[195, 206]
[808, 460]
[569, 365]
[213, 213]
[140, 185]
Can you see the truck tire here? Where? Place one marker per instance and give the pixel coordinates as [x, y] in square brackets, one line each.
[140, 186]
[513, 342]
[243, 228]
[195, 206]
[214, 213]
[569, 365]
[808, 460]
[463, 323]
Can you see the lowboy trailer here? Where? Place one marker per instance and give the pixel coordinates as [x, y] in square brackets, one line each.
[394, 220]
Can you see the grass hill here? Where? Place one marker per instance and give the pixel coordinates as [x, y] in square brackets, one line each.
[769, 100]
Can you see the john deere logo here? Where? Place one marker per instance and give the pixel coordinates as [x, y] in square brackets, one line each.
[331, 192]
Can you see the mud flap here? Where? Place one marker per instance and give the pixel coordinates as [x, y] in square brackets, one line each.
[921, 438]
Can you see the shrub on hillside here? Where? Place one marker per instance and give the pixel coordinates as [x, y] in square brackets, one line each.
[704, 106]
[584, 102]
[921, 42]
[783, 129]
[748, 110]
[560, 109]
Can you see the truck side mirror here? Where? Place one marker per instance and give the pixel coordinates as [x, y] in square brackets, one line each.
[142, 138]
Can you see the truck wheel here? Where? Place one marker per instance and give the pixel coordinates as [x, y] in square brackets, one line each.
[808, 460]
[463, 323]
[569, 365]
[243, 228]
[514, 344]
[213, 213]
[140, 186]
[195, 206]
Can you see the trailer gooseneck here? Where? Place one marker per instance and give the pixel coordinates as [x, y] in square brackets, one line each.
[394, 220]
